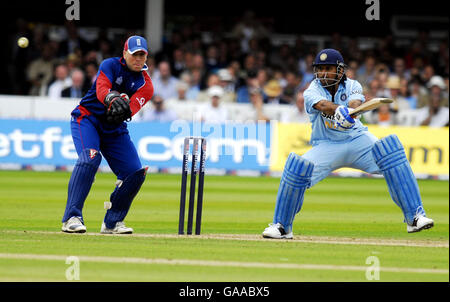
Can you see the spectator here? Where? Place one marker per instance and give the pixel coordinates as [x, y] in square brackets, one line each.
[62, 81]
[433, 115]
[394, 85]
[164, 83]
[182, 87]
[292, 86]
[91, 70]
[273, 91]
[280, 57]
[213, 112]
[203, 96]
[436, 87]
[212, 63]
[297, 114]
[405, 92]
[243, 93]
[382, 116]
[256, 111]
[77, 89]
[177, 63]
[306, 70]
[399, 69]
[366, 71]
[194, 84]
[158, 112]
[226, 82]
[40, 71]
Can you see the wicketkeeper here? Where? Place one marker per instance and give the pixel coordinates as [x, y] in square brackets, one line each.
[99, 130]
[339, 140]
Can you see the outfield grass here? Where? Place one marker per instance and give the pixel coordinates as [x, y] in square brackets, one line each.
[32, 204]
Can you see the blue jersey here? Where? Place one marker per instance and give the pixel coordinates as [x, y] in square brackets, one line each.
[113, 74]
[323, 125]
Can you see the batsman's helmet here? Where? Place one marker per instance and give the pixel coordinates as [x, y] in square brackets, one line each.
[330, 56]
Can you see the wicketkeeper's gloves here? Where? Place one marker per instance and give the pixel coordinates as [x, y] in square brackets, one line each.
[117, 107]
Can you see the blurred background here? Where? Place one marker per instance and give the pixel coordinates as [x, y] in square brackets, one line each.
[232, 60]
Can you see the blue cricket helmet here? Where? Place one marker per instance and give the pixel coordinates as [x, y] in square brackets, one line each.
[329, 56]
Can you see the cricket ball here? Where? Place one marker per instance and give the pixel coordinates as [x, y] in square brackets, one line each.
[22, 42]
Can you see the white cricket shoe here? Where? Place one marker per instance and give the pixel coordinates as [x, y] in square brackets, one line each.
[120, 228]
[420, 223]
[73, 225]
[276, 231]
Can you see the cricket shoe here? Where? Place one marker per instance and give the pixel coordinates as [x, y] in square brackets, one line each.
[120, 228]
[73, 225]
[276, 231]
[420, 223]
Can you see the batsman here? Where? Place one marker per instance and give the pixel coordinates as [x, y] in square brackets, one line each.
[99, 130]
[339, 140]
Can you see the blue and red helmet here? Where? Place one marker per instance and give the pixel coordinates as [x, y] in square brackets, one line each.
[329, 56]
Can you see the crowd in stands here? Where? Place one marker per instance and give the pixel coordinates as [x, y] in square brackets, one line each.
[240, 66]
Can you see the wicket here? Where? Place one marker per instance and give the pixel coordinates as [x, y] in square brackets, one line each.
[201, 179]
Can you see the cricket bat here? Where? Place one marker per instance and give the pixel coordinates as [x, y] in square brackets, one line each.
[370, 105]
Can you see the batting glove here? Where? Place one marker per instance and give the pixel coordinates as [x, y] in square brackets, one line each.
[343, 119]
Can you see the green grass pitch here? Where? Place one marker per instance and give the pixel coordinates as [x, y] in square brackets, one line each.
[344, 223]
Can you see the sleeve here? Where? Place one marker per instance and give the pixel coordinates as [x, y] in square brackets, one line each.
[142, 95]
[311, 98]
[356, 92]
[104, 80]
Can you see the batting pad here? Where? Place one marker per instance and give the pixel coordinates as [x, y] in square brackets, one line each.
[390, 157]
[81, 182]
[123, 196]
[295, 179]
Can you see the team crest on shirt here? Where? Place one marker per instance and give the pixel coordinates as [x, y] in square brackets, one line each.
[92, 153]
[343, 97]
[119, 80]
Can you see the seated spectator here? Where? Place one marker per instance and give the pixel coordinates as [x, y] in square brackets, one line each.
[433, 115]
[226, 82]
[195, 77]
[273, 92]
[62, 81]
[182, 88]
[405, 93]
[394, 85]
[77, 89]
[256, 112]
[40, 71]
[243, 93]
[292, 86]
[203, 96]
[164, 83]
[297, 114]
[436, 87]
[158, 112]
[382, 116]
[91, 70]
[213, 112]
[177, 63]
